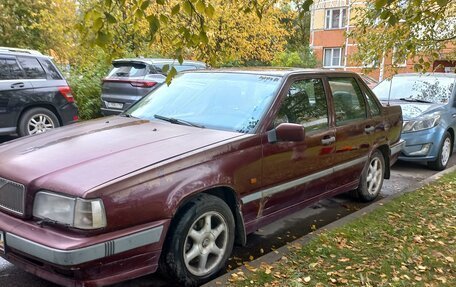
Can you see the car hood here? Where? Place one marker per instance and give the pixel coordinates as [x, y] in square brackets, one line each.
[414, 110]
[79, 157]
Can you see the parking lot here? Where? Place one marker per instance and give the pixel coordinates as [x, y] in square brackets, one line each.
[269, 238]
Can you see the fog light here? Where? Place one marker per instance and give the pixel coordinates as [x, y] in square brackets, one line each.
[422, 151]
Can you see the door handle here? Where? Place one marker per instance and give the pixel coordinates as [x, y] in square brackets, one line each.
[369, 129]
[327, 140]
[17, 85]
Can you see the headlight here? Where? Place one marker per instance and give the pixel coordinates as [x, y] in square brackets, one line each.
[75, 212]
[421, 124]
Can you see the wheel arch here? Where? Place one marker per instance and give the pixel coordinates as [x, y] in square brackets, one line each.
[228, 195]
[39, 105]
[451, 132]
[384, 149]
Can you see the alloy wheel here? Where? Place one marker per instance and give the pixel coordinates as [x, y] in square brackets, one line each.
[39, 123]
[206, 243]
[374, 176]
[446, 151]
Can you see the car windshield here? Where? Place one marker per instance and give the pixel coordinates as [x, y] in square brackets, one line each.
[224, 101]
[424, 88]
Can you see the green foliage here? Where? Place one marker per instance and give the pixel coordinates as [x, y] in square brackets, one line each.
[303, 58]
[85, 83]
[17, 18]
[416, 29]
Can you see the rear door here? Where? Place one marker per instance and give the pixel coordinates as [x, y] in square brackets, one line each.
[353, 130]
[14, 90]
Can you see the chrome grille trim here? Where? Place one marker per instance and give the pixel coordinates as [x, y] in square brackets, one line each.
[12, 196]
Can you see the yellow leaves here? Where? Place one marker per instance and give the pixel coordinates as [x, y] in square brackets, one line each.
[449, 259]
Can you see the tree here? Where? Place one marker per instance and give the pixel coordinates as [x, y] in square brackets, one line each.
[417, 29]
[231, 32]
[16, 29]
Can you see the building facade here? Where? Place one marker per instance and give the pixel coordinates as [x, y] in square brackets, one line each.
[331, 22]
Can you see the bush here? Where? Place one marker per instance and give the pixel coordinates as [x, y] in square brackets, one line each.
[86, 86]
[302, 58]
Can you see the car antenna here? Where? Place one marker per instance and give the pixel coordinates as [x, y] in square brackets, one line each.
[389, 91]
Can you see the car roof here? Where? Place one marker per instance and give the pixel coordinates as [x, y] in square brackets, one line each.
[159, 61]
[21, 52]
[273, 71]
[446, 75]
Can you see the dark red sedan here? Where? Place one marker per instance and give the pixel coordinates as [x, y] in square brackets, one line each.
[189, 171]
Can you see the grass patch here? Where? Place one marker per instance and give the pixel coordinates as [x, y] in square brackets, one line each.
[410, 241]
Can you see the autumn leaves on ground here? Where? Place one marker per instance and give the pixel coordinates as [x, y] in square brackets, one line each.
[410, 241]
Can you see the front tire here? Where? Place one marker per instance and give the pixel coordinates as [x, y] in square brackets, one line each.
[201, 241]
[371, 181]
[445, 151]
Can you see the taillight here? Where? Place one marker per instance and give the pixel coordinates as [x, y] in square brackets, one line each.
[134, 83]
[66, 93]
[143, 84]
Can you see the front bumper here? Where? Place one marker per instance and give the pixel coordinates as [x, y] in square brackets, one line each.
[78, 260]
[85, 254]
[422, 145]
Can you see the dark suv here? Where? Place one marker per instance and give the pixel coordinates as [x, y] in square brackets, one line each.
[131, 79]
[34, 96]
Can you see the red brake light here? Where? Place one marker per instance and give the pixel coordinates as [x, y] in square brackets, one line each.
[143, 84]
[66, 93]
[134, 83]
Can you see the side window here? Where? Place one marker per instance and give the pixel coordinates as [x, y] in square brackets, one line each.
[9, 69]
[373, 106]
[349, 103]
[51, 69]
[305, 104]
[32, 68]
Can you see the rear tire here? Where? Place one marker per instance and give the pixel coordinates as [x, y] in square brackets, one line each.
[37, 120]
[371, 181]
[200, 242]
[445, 151]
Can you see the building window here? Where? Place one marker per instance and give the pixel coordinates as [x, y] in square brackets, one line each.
[332, 57]
[336, 18]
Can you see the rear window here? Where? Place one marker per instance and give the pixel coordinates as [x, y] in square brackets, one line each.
[9, 69]
[32, 68]
[179, 68]
[126, 70]
[52, 70]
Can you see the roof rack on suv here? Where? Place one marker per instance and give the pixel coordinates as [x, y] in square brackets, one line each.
[18, 50]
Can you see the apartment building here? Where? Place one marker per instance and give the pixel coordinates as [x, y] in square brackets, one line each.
[331, 22]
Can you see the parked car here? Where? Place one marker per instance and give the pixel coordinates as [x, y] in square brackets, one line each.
[429, 106]
[34, 95]
[188, 171]
[370, 82]
[131, 79]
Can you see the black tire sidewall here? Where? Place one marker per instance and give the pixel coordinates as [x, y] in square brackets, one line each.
[362, 191]
[173, 250]
[25, 118]
[437, 163]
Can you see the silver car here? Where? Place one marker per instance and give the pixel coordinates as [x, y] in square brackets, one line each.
[131, 79]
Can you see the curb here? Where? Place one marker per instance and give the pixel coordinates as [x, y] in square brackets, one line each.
[274, 256]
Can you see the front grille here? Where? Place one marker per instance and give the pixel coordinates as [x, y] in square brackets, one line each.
[12, 196]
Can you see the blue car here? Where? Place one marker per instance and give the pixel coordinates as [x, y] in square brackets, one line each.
[428, 104]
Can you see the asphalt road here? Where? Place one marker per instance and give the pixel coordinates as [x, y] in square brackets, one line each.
[265, 240]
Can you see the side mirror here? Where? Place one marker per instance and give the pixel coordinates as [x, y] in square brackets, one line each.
[286, 132]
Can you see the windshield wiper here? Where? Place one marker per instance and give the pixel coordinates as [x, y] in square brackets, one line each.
[127, 116]
[178, 121]
[415, 100]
